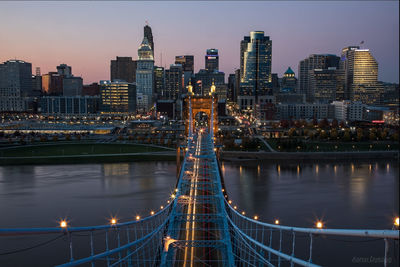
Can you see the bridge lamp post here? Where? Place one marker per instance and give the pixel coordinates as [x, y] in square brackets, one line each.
[319, 225]
[137, 218]
[113, 221]
[151, 212]
[255, 217]
[63, 224]
[277, 221]
[396, 221]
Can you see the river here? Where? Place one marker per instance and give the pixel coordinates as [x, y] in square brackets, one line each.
[341, 194]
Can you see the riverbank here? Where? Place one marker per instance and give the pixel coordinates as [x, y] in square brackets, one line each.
[300, 156]
[73, 153]
[119, 152]
[95, 158]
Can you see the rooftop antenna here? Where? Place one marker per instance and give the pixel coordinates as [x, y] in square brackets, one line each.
[161, 58]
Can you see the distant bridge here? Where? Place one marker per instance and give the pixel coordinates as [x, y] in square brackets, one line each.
[198, 227]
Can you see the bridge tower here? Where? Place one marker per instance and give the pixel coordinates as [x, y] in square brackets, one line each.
[195, 104]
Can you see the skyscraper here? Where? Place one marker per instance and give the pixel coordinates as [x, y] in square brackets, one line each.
[361, 75]
[149, 35]
[323, 85]
[123, 68]
[52, 83]
[65, 70]
[15, 83]
[243, 48]
[231, 87]
[314, 61]
[187, 62]
[212, 60]
[173, 82]
[289, 81]
[17, 77]
[159, 82]
[144, 76]
[256, 75]
[204, 80]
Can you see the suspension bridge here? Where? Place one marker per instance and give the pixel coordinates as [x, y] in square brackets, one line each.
[199, 226]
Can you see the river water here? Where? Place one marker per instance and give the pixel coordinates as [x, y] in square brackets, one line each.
[342, 194]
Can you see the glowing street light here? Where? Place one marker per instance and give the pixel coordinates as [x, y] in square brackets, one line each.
[255, 217]
[137, 218]
[319, 225]
[151, 212]
[113, 221]
[396, 221]
[63, 224]
[277, 221]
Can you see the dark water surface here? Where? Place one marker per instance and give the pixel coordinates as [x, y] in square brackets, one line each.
[342, 194]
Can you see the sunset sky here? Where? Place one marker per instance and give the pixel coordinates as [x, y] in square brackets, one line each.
[87, 35]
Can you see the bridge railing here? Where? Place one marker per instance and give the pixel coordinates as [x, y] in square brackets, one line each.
[256, 242]
[133, 243]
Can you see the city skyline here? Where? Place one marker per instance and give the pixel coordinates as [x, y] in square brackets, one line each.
[117, 30]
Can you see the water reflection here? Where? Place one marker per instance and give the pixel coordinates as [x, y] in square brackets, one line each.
[355, 195]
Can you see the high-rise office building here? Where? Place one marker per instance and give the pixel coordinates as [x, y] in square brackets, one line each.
[204, 80]
[15, 84]
[314, 61]
[149, 35]
[72, 86]
[144, 76]
[16, 78]
[159, 82]
[64, 70]
[243, 48]
[187, 62]
[348, 69]
[237, 84]
[37, 83]
[256, 75]
[289, 81]
[52, 83]
[323, 84]
[361, 75]
[231, 94]
[123, 68]
[212, 60]
[62, 82]
[173, 82]
[117, 96]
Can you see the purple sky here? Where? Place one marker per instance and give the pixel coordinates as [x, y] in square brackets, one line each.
[87, 35]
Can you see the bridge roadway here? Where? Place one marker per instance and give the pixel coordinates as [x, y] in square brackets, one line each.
[197, 223]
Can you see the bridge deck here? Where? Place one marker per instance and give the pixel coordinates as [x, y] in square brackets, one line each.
[197, 224]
